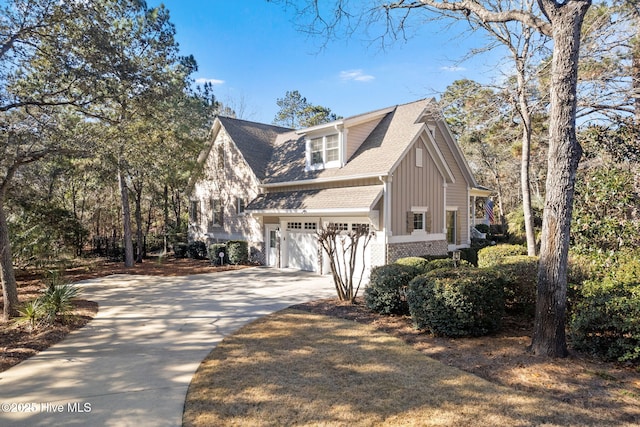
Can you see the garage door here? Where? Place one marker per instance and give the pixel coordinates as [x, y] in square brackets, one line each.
[302, 251]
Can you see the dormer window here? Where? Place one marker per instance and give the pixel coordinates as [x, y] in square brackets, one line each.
[323, 152]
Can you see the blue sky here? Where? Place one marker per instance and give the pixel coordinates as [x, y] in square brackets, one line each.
[253, 53]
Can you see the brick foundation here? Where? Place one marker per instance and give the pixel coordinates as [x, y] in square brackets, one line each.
[402, 250]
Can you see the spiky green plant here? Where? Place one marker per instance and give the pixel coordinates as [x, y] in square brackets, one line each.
[31, 314]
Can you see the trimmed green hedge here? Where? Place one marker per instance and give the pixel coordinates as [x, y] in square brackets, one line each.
[238, 251]
[491, 255]
[385, 292]
[197, 250]
[421, 264]
[447, 263]
[457, 302]
[214, 253]
[606, 315]
[520, 273]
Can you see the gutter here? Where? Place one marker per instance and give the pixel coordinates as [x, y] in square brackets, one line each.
[322, 180]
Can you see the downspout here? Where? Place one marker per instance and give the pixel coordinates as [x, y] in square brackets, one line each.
[444, 210]
[386, 180]
[342, 141]
[470, 211]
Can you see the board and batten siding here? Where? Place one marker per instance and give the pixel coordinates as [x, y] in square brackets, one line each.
[457, 192]
[416, 186]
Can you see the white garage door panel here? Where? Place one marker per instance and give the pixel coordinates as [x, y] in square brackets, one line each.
[303, 251]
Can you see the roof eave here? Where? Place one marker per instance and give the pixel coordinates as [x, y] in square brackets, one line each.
[330, 211]
[323, 180]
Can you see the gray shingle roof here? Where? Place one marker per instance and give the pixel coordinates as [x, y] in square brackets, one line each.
[377, 154]
[277, 154]
[256, 141]
[329, 199]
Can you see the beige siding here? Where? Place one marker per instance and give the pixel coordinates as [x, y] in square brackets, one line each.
[416, 186]
[457, 193]
[235, 179]
[357, 134]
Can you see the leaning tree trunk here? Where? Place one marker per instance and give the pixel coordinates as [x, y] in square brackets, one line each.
[9, 286]
[564, 154]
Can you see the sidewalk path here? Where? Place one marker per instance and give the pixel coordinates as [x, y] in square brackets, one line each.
[132, 364]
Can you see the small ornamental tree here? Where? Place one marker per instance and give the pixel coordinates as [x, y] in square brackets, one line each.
[342, 248]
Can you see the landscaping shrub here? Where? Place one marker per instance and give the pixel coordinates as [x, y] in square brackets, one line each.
[238, 251]
[385, 292]
[470, 255]
[180, 250]
[214, 253]
[421, 264]
[55, 302]
[491, 255]
[605, 320]
[446, 263]
[483, 228]
[520, 274]
[457, 302]
[197, 250]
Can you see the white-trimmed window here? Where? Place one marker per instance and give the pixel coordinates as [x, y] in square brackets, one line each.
[324, 152]
[240, 205]
[419, 157]
[216, 212]
[339, 226]
[452, 226]
[418, 220]
[294, 225]
[194, 211]
[360, 227]
[310, 225]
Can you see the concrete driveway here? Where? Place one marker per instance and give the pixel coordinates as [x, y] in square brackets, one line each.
[132, 365]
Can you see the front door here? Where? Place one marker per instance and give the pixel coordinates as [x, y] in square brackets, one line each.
[271, 243]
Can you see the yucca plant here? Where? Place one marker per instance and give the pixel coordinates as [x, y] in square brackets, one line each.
[31, 314]
[57, 298]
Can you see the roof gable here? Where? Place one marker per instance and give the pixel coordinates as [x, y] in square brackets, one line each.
[375, 156]
[255, 141]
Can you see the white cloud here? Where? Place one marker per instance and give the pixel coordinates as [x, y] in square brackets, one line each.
[356, 75]
[212, 81]
[453, 69]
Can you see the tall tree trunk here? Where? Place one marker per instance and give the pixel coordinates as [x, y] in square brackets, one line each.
[523, 107]
[126, 219]
[139, 226]
[165, 227]
[564, 154]
[635, 73]
[9, 286]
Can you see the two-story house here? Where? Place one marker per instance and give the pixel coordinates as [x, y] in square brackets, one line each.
[396, 170]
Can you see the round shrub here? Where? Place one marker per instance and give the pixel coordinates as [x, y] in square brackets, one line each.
[214, 253]
[197, 250]
[520, 274]
[419, 263]
[492, 255]
[606, 315]
[457, 302]
[180, 250]
[447, 263]
[238, 251]
[385, 292]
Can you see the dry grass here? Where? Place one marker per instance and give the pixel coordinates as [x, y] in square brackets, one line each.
[299, 368]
